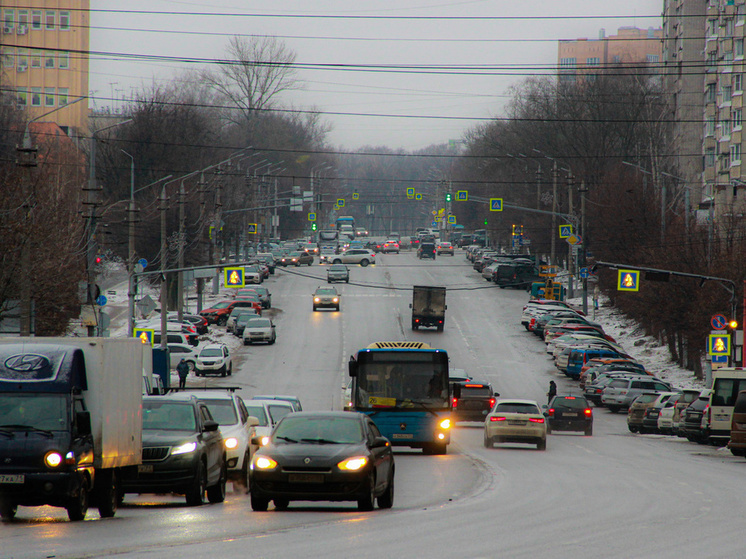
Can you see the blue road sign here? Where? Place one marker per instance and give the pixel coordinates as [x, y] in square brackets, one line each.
[101, 300]
[311, 216]
[410, 192]
[434, 224]
[142, 262]
[252, 228]
[719, 344]
[718, 322]
[462, 196]
[496, 204]
[452, 219]
[418, 196]
[584, 273]
[565, 231]
[628, 280]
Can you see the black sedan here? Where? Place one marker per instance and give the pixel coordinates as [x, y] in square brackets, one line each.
[569, 413]
[472, 401]
[182, 450]
[323, 456]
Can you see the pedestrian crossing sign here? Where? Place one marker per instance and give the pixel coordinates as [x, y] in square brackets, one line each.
[410, 192]
[311, 216]
[628, 280]
[565, 231]
[452, 219]
[253, 228]
[233, 277]
[719, 344]
[496, 204]
[145, 335]
[340, 202]
[462, 196]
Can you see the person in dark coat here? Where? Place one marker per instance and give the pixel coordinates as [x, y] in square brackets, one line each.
[552, 391]
[183, 370]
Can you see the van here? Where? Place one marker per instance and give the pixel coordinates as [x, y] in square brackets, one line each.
[621, 392]
[579, 357]
[726, 384]
[737, 443]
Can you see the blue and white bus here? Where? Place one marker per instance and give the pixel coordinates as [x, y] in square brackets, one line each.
[403, 387]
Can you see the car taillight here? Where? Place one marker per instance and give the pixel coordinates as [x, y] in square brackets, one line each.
[550, 411]
[492, 402]
[599, 391]
[498, 418]
[536, 419]
[588, 412]
[454, 402]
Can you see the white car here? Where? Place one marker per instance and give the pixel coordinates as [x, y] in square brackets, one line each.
[516, 421]
[362, 256]
[269, 413]
[177, 352]
[238, 427]
[259, 330]
[252, 274]
[214, 359]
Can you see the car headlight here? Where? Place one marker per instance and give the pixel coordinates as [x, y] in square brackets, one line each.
[53, 459]
[264, 441]
[353, 464]
[445, 424]
[231, 443]
[185, 448]
[335, 300]
[316, 300]
[263, 463]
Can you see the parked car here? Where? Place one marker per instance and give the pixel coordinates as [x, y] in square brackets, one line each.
[176, 338]
[472, 401]
[737, 442]
[357, 462]
[362, 256]
[214, 359]
[621, 392]
[688, 396]
[665, 415]
[259, 330]
[241, 323]
[691, 427]
[637, 409]
[569, 413]
[237, 428]
[230, 326]
[594, 391]
[253, 274]
[652, 413]
[444, 247]
[516, 421]
[199, 323]
[337, 272]
[182, 450]
[326, 298]
[265, 297]
[219, 312]
[177, 352]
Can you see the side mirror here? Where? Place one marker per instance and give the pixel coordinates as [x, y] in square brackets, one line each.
[457, 391]
[410, 305]
[497, 394]
[352, 367]
[83, 420]
[380, 442]
[252, 421]
[211, 426]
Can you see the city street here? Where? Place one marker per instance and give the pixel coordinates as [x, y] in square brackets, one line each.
[599, 496]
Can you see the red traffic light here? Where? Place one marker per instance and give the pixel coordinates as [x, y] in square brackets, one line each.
[99, 259]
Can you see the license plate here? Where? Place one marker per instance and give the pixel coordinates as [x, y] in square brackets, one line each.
[402, 436]
[516, 422]
[145, 469]
[569, 415]
[306, 478]
[16, 478]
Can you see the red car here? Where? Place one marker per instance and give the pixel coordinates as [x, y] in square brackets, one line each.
[219, 313]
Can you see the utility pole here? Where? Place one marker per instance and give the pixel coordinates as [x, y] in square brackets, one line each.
[26, 159]
[583, 191]
[182, 235]
[132, 283]
[570, 248]
[553, 256]
[164, 267]
[216, 231]
[538, 187]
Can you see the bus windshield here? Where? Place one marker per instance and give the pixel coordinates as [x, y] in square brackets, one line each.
[402, 380]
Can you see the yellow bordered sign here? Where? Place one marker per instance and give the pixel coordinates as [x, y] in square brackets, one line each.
[718, 344]
[234, 277]
[565, 231]
[145, 335]
[628, 280]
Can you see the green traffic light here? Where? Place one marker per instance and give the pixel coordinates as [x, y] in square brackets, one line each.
[448, 196]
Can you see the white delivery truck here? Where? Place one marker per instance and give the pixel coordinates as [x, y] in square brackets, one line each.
[70, 420]
[727, 382]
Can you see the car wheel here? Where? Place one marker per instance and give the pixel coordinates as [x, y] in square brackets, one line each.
[439, 448]
[197, 373]
[613, 409]
[328, 281]
[191, 366]
[108, 493]
[216, 493]
[222, 321]
[314, 309]
[297, 264]
[246, 342]
[272, 341]
[365, 503]
[77, 506]
[336, 261]
[632, 428]
[541, 445]
[337, 308]
[386, 500]
[440, 327]
[347, 280]
[222, 371]
[241, 485]
[281, 503]
[259, 504]
[487, 441]
[589, 431]
[8, 509]
[230, 369]
[364, 262]
[195, 495]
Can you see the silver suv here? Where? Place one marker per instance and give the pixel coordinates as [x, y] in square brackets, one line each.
[621, 392]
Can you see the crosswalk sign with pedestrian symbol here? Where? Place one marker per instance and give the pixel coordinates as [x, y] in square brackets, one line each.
[233, 277]
[462, 196]
[628, 280]
[496, 204]
[252, 229]
[565, 231]
[719, 344]
[144, 335]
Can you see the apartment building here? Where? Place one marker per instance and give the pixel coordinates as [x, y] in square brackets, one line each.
[630, 45]
[44, 47]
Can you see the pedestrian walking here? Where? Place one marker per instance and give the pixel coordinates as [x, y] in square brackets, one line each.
[183, 370]
[552, 391]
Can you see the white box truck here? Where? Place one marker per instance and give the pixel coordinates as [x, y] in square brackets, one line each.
[70, 421]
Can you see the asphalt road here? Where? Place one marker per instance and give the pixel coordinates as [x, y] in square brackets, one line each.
[610, 495]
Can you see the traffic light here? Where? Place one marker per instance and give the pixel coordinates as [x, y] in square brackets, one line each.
[733, 324]
[99, 259]
[448, 196]
[313, 227]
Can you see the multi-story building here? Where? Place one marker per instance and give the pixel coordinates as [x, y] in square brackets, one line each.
[583, 57]
[44, 46]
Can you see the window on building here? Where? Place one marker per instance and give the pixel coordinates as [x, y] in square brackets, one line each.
[23, 58]
[724, 161]
[740, 13]
[738, 46]
[710, 93]
[568, 62]
[728, 57]
[65, 21]
[36, 20]
[735, 154]
[63, 95]
[49, 97]
[36, 96]
[616, 59]
[22, 21]
[49, 59]
[737, 83]
[63, 60]
[737, 119]
[595, 61]
[49, 19]
[21, 99]
[35, 59]
[652, 58]
[729, 24]
[9, 56]
[725, 128]
[712, 27]
[710, 157]
[710, 127]
[726, 93]
[9, 20]
[712, 60]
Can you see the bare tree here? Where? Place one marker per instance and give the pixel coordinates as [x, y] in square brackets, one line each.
[256, 72]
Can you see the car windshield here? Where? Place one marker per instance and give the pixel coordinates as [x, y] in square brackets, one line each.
[259, 413]
[337, 268]
[222, 305]
[570, 403]
[211, 352]
[223, 411]
[261, 323]
[168, 416]
[277, 411]
[515, 407]
[324, 430]
[326, 292]
[295, 254]
[47, 412]
[646, 398]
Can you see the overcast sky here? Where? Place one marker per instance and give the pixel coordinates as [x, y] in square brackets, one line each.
[512, 48]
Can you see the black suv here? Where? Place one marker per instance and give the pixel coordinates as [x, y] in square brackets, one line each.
[426, 250]
[182, 450]
[691, 423]
[569, 413]
[472, 400]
